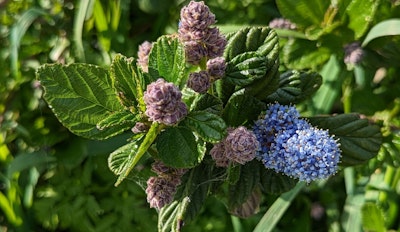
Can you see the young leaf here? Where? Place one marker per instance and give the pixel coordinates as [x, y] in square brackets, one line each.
[359, 140]
[210, 127]
[80, 95]
[241, 109]
[167, 60]
[275, 183]
[177, 147]
[295, 86]
[128, 82]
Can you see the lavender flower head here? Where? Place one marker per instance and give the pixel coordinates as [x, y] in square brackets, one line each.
[353, 53]
[163, 103]
[241, 145]
[216, 67]
[194, 51]
[160, 192]
[143, 55]
[199, 81]
[215, 43]
[196, 16]
[218, 155]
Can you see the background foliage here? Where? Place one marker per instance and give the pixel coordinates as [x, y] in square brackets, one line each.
[52, 180]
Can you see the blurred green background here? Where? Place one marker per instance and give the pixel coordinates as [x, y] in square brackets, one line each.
[51, 180]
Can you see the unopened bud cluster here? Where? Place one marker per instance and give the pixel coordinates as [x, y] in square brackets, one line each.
[164, 103]
[281, 23]
[162, 188]
[240, 146]
[143, 55]
[291, 145]
[353, 53]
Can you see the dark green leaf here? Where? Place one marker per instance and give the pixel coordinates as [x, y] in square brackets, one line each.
[177, 147]
[262, 88]
[209, 103]
[122, 119]
[275, 183]
[250, 206]
[295, 86]
[167, 60]
[210, 127]
[241, 109]
[361, 13]
[359, 140]
[80, 95]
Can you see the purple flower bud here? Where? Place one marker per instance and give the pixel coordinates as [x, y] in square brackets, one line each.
[194, 52]
[199, 81]
[281, 23]
[218, 155]
[186, 35]
[215, 43]
[160, 192]
[161, 169]
[196, 16]
[140, 127]
[143, 55]
[353, 53]
[163, 103]
[216, 67]
[241, 145]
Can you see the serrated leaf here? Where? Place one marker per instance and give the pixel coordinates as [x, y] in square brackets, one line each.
[295, 86]
[80, 95]
[128, 82]
[210, 127]
[241, 109]
[361, 13]
[249, 178]
[122, 119]
[249, 207]
[262, 88]
[275, 183]
[359, 140]
[177, 147]
[303, 13]
[167, 60]
[372, 218]
[209, 103]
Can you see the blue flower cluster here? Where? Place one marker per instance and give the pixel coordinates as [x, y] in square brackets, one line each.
[291, 145]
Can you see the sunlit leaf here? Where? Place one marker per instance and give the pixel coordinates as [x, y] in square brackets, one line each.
[210, 127]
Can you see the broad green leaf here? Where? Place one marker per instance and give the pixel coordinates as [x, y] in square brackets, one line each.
[80, 95]
[167, 60]
[209, 103]
[122, 119]
[304, 54]
[177, 147]
[303, 13]
[249, 178]
[361, 13]
[262, 88]
[295, 86]
[241, 109]
[275, 183]
[210, 127]
[359, 140]
[128, 82]
[277, 209]
[384, 28]
[250, 206]
[372, 218]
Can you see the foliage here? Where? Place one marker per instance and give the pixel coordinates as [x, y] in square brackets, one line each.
[49, 174]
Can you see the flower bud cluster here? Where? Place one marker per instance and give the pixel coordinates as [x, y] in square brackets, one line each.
[143, 55]
[164, 102]
[240, 146]
[162, 188]
[281, 23]
[291, 145]
[353, 53]
[140, 127]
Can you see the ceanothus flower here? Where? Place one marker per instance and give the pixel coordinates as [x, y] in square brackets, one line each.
[199, 81]
[240, 145]
[160, 191]
[143, 55]
[164, 102]
[216, 67]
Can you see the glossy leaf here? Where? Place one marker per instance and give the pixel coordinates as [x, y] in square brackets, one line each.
[303, 12]
[384, 28]
[167, 60]
[295, 86]
[359, 140]
[177, 147]
[361, 13]
[80, 95]
[210, 127]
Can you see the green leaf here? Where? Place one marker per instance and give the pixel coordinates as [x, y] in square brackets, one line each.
[275, 183]
[295, 86]
[359, 140]
[122, 119]
[177, 147]
[210, 127]
[209, 103]
[361, 13]
[250, 206]
[241, 109]
[303, 13]
[128, 82]
[80, 95]
[27, 160]
[384, 28]
[372, 218]
[262, 88]
[167, 60]
[304, 54]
